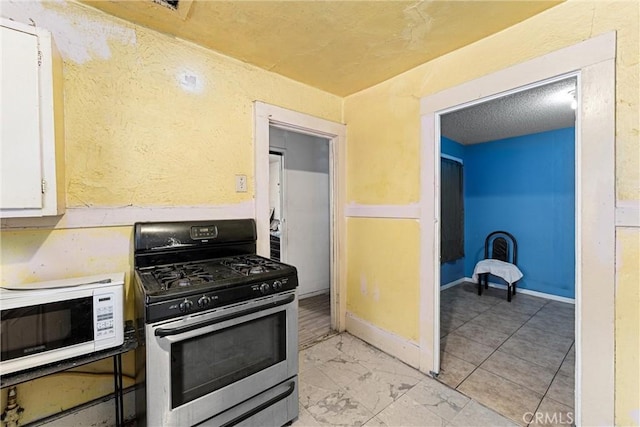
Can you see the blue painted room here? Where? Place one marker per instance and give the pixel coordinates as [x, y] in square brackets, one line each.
[523, 185]
[508, 165]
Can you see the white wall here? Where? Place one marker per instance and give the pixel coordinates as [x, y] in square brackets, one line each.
[274, 184]
[306, 207]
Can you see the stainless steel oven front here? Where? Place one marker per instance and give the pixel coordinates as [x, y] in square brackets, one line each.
[231, 365]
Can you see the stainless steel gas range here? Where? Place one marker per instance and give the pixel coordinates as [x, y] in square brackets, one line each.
[220, 327]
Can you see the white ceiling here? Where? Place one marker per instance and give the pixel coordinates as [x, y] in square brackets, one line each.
[535, 110]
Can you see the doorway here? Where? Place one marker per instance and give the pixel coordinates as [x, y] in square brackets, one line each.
[593, 62]
[300, 229]
[517, 155]
[270, 119]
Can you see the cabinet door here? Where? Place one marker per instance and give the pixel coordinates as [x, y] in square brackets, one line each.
[21, 167]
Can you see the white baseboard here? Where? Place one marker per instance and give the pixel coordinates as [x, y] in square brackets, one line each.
[527, 292]
[102, 413]
[406, 350]
[454, 283]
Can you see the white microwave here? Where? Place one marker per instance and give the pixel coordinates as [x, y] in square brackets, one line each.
[47, 322]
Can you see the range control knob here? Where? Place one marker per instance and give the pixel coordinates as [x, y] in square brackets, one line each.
[277, 285]
[204, 301]
[185, 305]
[265, 288]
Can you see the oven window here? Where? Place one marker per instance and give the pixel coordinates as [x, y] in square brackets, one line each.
[30, 330]
[206, 363]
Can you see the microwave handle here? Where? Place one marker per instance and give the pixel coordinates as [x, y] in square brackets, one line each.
[165, 332]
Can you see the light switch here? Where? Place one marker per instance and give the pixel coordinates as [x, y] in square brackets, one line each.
[241, 183]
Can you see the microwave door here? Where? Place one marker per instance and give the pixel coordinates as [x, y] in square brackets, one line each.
[29, 331]
[26, 331]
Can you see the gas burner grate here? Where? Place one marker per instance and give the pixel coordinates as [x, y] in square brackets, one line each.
[250, 265]
[178, 276]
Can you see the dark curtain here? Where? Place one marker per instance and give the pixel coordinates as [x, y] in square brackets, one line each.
[451, 211]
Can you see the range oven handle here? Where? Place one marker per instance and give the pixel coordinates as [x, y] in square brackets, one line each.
[164, 332]
[251, 413]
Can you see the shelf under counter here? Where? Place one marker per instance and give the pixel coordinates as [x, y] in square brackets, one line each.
[130, 343]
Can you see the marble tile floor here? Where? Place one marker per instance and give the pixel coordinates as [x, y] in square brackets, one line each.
[345, 382]
[516, 358]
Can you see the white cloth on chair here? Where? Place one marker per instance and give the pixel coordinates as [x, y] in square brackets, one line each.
[509, 272]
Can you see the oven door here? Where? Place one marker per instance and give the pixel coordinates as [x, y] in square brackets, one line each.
[205, 364]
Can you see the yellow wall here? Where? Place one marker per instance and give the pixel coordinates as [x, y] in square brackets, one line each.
[627, 326]
[383, 164]
[136, 136]
[381, 277]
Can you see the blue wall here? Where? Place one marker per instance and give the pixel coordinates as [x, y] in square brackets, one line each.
[525, 185]
[452, 148]
[451, 271]
[454, 270]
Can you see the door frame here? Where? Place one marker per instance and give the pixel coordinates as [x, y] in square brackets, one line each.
[593, 61]
[266, 115]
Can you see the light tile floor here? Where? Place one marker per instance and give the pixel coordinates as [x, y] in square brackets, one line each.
[346, 382]
[516, 358]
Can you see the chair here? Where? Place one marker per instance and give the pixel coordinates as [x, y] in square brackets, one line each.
[501, 263]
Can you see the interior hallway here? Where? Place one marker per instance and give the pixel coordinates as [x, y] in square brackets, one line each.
[515, 358]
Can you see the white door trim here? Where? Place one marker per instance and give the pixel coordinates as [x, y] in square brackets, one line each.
[593, 61]
[270, 115]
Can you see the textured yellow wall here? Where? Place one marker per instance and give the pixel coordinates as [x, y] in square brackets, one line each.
[384, 129]
[627, 326]
[150, 121]
[30, 255]
[138, 133]
[381, 277]
[384, 122]
[155, 142]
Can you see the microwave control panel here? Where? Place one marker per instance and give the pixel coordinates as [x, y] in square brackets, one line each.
[108, 317]
[104, 306]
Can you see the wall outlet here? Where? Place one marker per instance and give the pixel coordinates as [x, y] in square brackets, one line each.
[241, 183]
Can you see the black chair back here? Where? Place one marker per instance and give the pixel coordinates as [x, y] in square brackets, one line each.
[500, 249]
[499, 242]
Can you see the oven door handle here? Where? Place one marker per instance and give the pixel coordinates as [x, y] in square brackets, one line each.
[251, 413]
[165, 332]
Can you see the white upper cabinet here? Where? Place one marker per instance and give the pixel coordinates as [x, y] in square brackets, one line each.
[31, 123]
